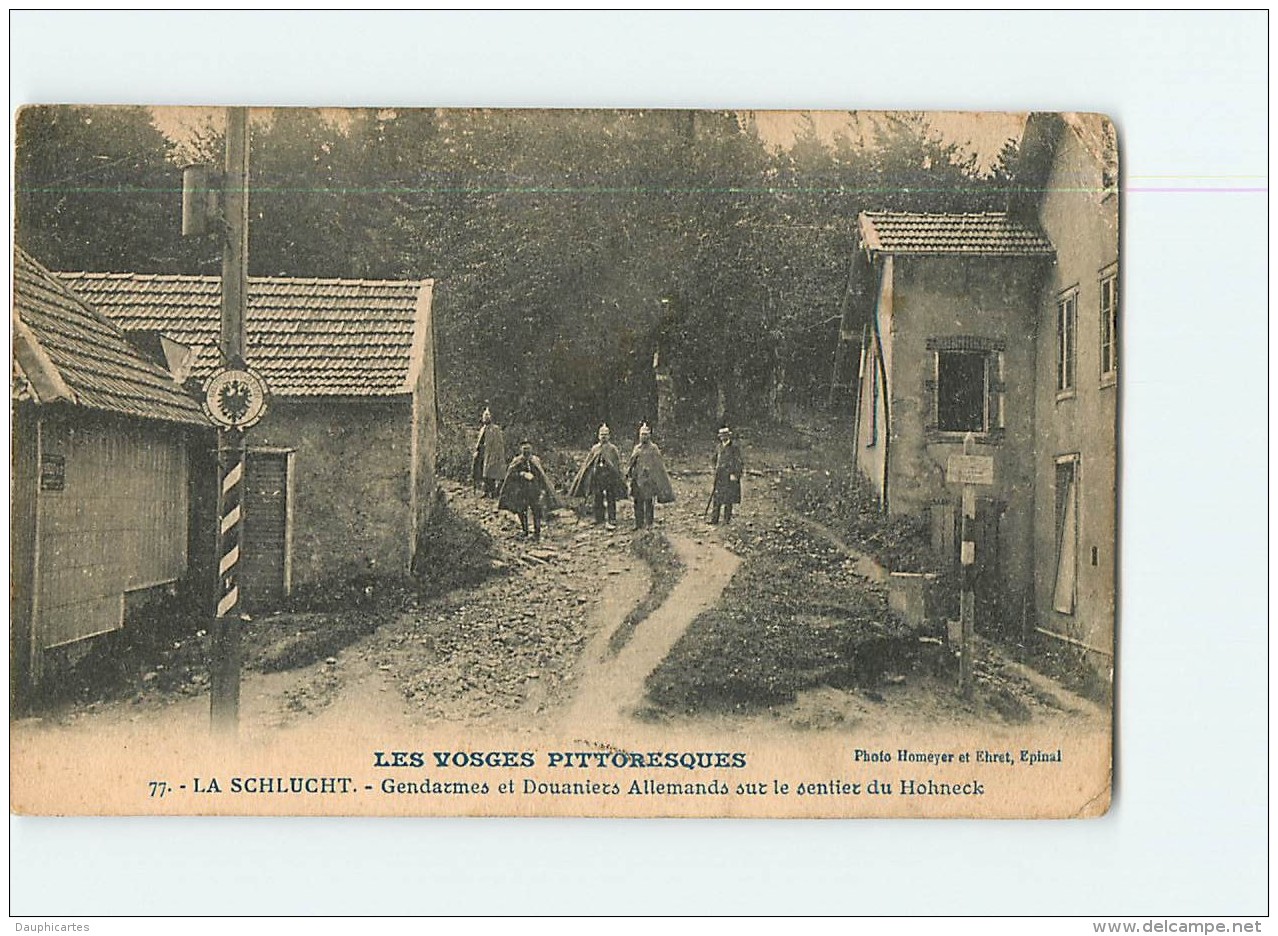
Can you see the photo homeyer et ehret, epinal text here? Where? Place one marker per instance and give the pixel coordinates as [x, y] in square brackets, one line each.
[576, 462]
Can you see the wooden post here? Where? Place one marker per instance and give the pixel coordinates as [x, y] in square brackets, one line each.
[224, 702]
[967, 601]
[968, 470]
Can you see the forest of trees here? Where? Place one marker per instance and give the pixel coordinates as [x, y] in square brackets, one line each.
[567, 246]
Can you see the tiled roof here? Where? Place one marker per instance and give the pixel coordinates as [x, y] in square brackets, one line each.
[992, 234]
[78, 356]
[306, 337]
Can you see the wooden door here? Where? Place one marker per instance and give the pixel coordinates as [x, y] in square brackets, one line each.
[264, 563]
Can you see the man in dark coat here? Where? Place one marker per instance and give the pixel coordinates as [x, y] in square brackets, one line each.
[522, 490]
[489, 464]
[729, 465]
[600, 478]
[648, 479]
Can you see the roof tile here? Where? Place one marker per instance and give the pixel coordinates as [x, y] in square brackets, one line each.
[90, 353]
[306, 337]
[992, 234]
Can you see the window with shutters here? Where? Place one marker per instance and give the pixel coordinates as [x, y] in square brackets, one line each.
[965, 391]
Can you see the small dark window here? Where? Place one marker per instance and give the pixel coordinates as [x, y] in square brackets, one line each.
[962, 391]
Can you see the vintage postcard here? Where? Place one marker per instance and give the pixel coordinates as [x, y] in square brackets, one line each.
[563, 463]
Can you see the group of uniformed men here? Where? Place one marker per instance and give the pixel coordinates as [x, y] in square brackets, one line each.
[521, 485]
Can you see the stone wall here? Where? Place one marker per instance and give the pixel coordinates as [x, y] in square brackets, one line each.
[352, 508]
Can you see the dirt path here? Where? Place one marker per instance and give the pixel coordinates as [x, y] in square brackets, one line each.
[528, 651]
[456, 663]
[613, 687]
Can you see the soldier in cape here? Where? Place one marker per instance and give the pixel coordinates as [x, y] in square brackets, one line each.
[600, 478]
[524, 487]
[648, 479]
[488, 466]
[729, 465]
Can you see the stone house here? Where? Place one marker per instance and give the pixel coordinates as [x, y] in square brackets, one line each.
[1071, 188]
[341, 470]
[1004, 325]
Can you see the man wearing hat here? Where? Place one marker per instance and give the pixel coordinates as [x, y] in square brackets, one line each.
[728, 468]
[489, 464]
[523, 488]
[600, 478]
[648, 479]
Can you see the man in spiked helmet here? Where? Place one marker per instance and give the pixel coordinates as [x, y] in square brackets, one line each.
[649, 481]
[600, 478]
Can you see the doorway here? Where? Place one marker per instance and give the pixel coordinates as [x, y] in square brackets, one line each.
[266, 564]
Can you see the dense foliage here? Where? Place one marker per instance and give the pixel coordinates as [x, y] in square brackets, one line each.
[569, 247]
[99, 188]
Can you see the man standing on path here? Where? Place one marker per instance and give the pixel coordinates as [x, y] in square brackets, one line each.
[729, 465]
[600, 478]
[523, 487]
[648, 479]
[490, 455]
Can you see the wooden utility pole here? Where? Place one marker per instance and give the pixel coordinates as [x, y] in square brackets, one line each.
[224, 704]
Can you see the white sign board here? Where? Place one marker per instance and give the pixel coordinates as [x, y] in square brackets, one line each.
[970, 469]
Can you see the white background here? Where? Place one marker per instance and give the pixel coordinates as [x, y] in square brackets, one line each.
[1188, 830]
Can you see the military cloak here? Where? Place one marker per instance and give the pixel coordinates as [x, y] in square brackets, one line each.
[600, 472]
[490, 454]
[647, 473]
[518, 493]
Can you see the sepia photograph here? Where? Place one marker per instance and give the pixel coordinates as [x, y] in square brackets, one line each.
[396, 461]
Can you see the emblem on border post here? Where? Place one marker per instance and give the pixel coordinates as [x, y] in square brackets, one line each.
[235, 398]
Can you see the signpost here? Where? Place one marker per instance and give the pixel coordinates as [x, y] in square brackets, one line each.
[970, 471]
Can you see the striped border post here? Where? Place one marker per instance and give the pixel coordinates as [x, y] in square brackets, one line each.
[229, 534]
[224, 705]
[224, 701]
